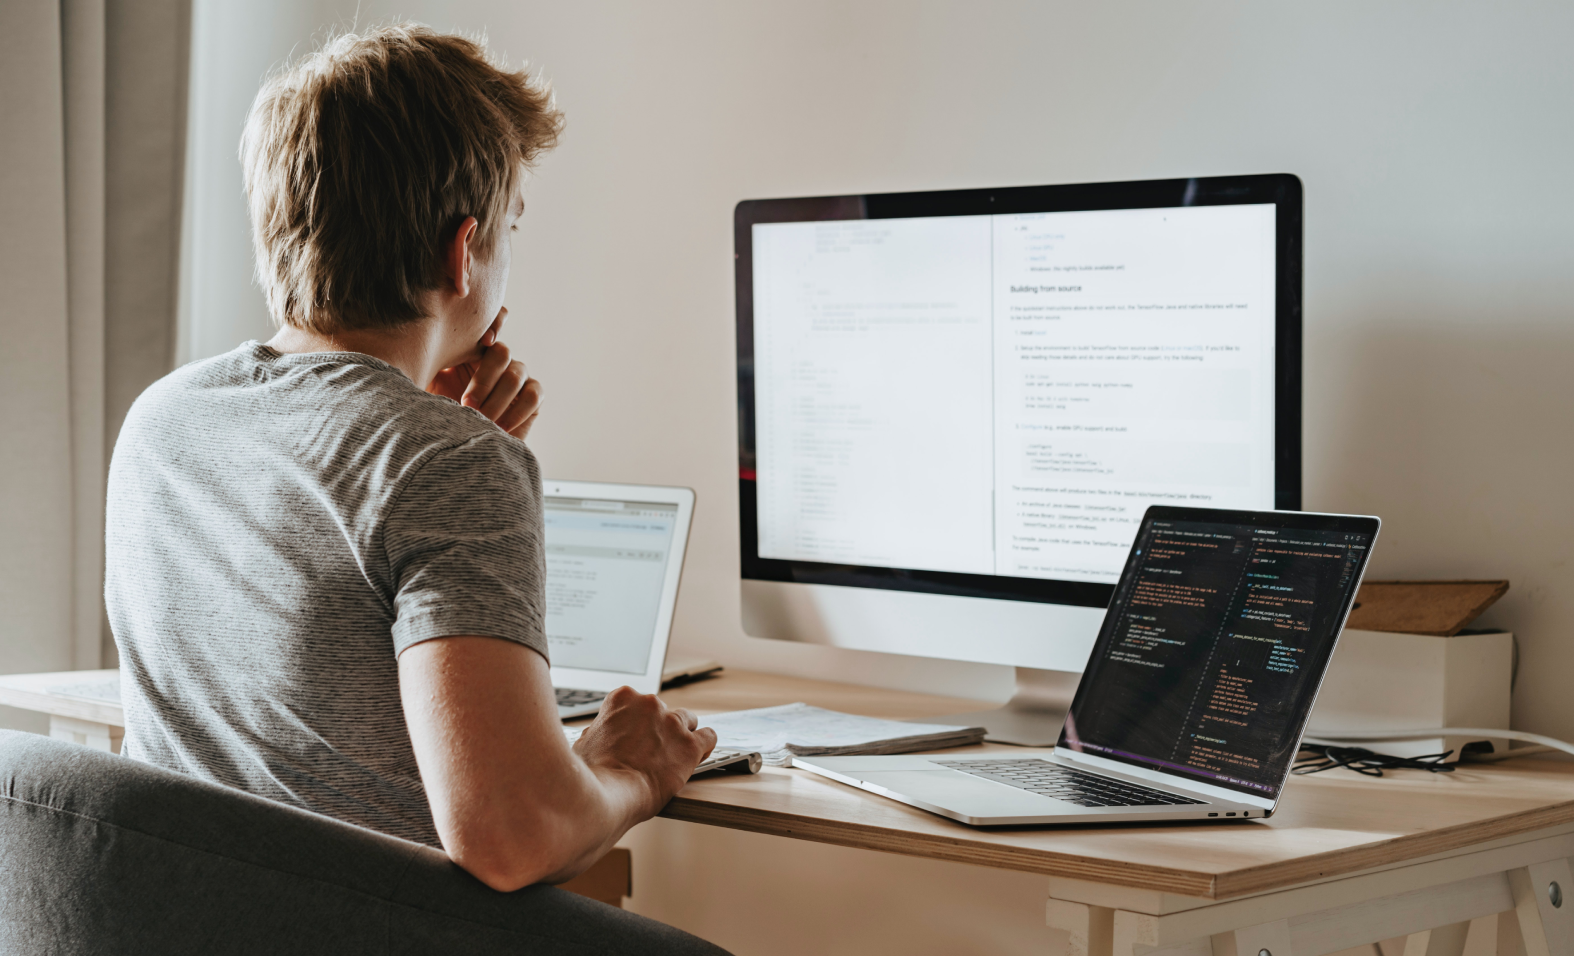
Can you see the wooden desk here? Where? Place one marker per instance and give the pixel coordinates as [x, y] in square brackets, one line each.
[1442, 859]
[95, 722]
[1348, 860]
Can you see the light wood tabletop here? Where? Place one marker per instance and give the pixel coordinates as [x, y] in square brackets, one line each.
[1480, 854]
[1329, 824]
[82, 695]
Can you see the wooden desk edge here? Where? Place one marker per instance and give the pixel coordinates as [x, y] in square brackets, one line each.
[56, 705]
[1221, 886]
[1336, 863]
[954, 849]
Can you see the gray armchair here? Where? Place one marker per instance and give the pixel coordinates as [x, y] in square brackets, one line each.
[103, 854]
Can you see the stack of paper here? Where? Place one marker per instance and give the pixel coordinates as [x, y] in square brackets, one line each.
[781, 733]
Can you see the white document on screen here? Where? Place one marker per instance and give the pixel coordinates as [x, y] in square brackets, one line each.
[605, 563]
[1008, 394]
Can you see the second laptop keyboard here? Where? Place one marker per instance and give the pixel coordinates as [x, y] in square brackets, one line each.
[568, 697]
[1062, 783]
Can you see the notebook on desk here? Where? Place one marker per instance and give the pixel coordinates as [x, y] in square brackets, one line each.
[787, 731]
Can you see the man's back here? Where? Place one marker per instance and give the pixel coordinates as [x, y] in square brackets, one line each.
[280, 527]
[325, 582]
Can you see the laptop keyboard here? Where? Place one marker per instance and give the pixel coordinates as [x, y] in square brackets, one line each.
[568, 697]
[1062, 783]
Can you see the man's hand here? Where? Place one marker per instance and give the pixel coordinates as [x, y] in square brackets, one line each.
[637, 734]
[494, 383]
[512, 803]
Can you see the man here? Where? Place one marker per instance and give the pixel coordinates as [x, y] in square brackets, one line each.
[325, 553]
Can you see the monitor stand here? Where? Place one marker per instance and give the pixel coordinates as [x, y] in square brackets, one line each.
[1034, 714]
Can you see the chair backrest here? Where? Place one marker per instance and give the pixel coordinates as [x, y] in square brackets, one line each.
[98, 852]
[103, 854]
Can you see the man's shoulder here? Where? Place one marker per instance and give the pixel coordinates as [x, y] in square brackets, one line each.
[332, 385]
[338, 409]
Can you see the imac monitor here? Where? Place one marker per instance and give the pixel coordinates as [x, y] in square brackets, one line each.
[955, 407]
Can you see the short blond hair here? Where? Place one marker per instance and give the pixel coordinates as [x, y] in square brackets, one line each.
[363, 157]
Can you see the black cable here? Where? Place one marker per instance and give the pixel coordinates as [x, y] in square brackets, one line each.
[1315, 758]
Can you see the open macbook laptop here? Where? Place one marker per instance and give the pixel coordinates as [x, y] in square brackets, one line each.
[614, 556]
[1198, 690]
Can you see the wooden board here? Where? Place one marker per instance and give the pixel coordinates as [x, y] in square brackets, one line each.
[1441, 608]
[1328, 824]
[32, 692]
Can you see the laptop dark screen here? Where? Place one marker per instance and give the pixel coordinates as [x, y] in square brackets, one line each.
[1216, 641]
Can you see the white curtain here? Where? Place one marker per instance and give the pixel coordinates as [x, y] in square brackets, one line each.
[92, 101]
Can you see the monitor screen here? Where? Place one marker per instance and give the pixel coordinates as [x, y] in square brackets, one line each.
[1216, 642]
[606, 561]
[983, 392]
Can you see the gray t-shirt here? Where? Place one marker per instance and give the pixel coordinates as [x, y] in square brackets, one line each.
[281, 527]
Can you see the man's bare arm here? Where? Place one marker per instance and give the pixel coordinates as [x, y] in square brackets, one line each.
[513, 803]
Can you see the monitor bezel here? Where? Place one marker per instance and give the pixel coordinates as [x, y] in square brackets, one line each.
[1281, 189]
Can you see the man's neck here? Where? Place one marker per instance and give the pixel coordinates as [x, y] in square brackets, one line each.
[415, 348]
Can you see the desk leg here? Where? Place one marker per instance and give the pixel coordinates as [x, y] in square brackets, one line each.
[86, 732]
[1266, 939]
[1091, 927]
[1509, 942]
[1435, 919]
[1442, 941]
[609, 879]
[1544, 902]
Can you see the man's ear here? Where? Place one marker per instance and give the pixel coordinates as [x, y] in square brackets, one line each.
[456, 257]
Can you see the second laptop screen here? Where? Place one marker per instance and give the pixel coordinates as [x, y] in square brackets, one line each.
[606, 562]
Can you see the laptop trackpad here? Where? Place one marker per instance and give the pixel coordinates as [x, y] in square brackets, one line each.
[962, 792]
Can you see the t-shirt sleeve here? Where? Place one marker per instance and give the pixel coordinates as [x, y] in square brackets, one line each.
[465, 549]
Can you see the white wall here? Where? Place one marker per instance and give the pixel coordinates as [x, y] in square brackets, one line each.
[1433, 139]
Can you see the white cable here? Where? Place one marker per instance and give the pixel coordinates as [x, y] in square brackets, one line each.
[1335, 738]
[1509, 754]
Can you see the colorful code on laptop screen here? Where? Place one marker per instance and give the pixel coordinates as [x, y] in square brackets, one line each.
[1214, 646]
